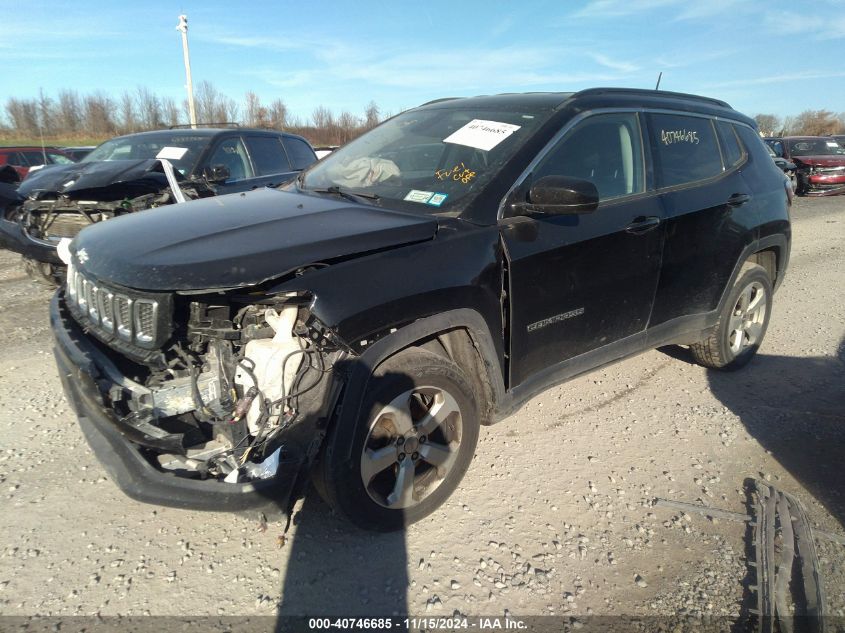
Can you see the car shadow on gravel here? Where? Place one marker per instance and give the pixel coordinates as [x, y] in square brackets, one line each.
[336, 569]
[795, 408]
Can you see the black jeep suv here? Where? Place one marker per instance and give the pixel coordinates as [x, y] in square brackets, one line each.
[360, 323]
[129, 173]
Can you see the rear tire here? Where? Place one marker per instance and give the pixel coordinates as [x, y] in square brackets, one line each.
[737, 335]
[410, 447]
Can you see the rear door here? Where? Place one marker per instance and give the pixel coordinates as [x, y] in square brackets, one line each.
[582, 282]
[709, 215]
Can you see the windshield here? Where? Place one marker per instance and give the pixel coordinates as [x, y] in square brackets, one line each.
[816, 147]
[59, 159]
[429, 160]
[185, 145]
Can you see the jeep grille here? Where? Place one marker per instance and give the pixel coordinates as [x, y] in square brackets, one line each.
[110, 314]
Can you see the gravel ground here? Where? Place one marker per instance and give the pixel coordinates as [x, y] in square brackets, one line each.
[554, 517]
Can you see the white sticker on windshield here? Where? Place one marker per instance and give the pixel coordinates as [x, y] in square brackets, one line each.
[481, 134]
[414, 195]
[172, 153]
[832, 144]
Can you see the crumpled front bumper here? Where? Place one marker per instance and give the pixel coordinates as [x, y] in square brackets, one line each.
[80, 369]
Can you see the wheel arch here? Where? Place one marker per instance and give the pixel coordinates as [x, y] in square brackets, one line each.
[461, 334]
[771, 252]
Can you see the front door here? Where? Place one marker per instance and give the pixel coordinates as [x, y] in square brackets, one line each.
[582, 282]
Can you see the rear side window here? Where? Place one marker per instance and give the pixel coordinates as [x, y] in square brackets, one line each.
[15, 158]
[268, 155]
[34, 158]
[731, 151]
[605, 149]
[300, 153]
[685, 149]
[232, 155]
[753, 143]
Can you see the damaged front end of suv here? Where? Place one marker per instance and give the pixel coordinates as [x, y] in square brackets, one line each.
[225, 394]
[199, 369]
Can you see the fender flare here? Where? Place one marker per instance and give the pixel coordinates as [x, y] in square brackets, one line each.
[778, 240]
[360, 369]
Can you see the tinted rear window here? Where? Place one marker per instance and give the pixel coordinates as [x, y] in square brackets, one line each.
[34, 158]
[731, 151]
[685, 149]
[300, 154]
[268, 155]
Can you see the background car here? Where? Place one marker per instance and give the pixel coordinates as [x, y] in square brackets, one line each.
[79, 152]
[124, 175]
[819, 162]
[26, 158]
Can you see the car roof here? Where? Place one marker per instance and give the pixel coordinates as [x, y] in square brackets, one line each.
[210, 131]
[594, 98]
[28, 148]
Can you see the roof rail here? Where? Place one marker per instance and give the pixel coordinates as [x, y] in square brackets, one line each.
[439, 100]
[662, 93]
[184, 126]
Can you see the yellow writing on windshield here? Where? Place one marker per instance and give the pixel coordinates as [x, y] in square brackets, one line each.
[458, 173]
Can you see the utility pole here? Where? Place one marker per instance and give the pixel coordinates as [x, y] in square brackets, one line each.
[182, 27]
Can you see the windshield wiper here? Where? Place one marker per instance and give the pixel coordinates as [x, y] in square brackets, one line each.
[349, 195]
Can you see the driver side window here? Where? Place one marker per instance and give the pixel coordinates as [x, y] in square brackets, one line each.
[231, 153]
[605, 149]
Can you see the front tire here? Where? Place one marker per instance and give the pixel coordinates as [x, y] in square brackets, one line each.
[47, 276]
[737, 335]
[410, 447]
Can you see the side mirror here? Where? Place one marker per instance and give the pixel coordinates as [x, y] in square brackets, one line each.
[217, 173]
[559, 195]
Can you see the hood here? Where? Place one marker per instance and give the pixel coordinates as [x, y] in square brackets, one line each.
[819, 161]
[238, 240]
[123, 177]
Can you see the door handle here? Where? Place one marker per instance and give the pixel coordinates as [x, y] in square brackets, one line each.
[738, 199]
[643, 224]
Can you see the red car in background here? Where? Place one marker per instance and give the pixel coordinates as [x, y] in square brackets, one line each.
[820, 162]
[24, 158]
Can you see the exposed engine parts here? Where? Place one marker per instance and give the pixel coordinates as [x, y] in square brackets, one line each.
[50, 217]
[232, 384]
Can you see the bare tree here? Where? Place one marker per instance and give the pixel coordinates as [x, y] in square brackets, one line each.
[45, 113]
[69, 112]
[371, 116]
[348, 125]
[99, 115]
[169, 111]
[322, 117]
[213, 106]
[128, 116]
[278, 114]
[255, 114]
[769, 124]
[99, 111]
[23, 113]
[816, 123]
[149, 108]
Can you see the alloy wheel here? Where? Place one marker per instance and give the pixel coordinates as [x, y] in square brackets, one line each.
[411, 447]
